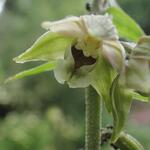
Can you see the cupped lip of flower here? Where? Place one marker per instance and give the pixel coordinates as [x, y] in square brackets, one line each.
[74, 68]
[80, 59]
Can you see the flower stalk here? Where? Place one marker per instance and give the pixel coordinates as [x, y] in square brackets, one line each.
[93, 119]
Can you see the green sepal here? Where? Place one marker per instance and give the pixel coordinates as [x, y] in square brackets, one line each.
[50, 46]
[101, 79]
[121, 99]
[125, 25]
[36, 70]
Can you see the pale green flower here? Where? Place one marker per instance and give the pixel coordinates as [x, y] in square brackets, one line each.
[94, 35]
[85, 49]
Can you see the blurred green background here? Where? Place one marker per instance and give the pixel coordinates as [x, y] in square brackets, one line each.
[37, 113]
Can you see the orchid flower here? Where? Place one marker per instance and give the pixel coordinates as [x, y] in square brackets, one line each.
[82, 51]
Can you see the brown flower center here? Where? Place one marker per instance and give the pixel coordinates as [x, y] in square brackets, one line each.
[80, 59]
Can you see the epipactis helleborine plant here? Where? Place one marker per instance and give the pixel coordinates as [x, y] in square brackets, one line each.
[85, 51]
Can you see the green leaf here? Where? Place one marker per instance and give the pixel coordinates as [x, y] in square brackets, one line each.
[125, 25]
[50, 46]
[102, 77]
[120, 101]
[139, 97]
[39, 69]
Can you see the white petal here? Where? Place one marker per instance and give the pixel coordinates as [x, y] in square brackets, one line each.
[100, 26]
[70, 26]
[114, 52]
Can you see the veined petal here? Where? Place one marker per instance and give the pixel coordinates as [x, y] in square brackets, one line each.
[100, 26]
[50, 46]
[70, 26]
[114, 52]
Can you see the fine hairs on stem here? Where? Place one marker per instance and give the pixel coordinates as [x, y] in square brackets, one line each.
[93, 119]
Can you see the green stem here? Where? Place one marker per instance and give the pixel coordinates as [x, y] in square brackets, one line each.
[127, 142]
[93, 119]
[124, 141]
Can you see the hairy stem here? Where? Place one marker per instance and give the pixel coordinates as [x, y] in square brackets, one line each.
[93, 119]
